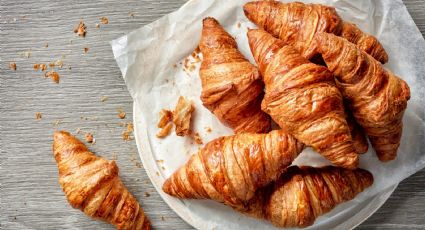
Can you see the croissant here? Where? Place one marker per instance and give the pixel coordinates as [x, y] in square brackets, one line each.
[231, 86]
[301, 97]
[376, 96]
[92, 185]
[296, 23]
[302, 194]
[230, 169]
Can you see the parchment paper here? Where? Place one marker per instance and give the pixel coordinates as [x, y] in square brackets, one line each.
[150, 59]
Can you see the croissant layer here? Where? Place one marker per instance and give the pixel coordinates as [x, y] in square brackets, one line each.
[376, 96]
[296, 24]
[303, 99]
[231, 86]
[230, 169]
[302, 194]
[92, 185]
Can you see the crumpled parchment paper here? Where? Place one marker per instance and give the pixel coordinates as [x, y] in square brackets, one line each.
[151, 60]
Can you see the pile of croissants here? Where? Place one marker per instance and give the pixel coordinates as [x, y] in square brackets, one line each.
[319, 78]
[322, 81]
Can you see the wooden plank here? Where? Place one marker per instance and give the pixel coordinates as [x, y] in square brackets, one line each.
[30, 194]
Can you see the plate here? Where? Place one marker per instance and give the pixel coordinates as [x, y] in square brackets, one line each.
[195, 212]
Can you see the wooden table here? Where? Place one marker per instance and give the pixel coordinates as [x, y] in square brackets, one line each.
[89, 97]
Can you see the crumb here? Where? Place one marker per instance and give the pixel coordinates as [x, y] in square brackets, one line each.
[138, 179]
[80, 30]
[126, 136]
[104, 20]
[186, 63]
[86, 49]
[36, 66]
[147, 194]
[26, 54]
[165, 116]
[38, 116]
[46, 45]
[160, 161]
[182, 115]
[12, 66]
[89, 137]
[57, 122]
[197, 139]
[192, 68]
[43, 67]
[162, 218]
[175, 65]
[114, 156]
[121, 114]
[52, 65]
[59, 63]
[77, 131]
[165, 131]
[121, 124]
[138, 165]
[54, 75]
[97, 26]
[69, 67]
[130, 127]
[131, 14]
[238, 25]
[208, 129]
[157, 173]
[104, 98]
[163, 168]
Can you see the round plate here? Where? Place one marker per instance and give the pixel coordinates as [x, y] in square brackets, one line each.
[203, 214]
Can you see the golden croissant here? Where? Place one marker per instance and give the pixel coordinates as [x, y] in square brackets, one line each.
[296, 23]
[376, 96]
[230, 169]
[302, 98]
[92, 185]
[302, 194]
[231, 86]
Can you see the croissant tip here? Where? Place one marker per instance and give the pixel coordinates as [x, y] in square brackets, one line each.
[60, 133]
[167, 187]
[249, 8]
[210, 21]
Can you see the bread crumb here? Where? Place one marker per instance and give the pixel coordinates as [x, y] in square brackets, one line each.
[104, 20]
[59, 63]
[12, 66]
[165, 116]
[163, 168]
[97, 26]
[238, 25]
[57, 122]
[162, 218]
[182, 115]
[160, 161]
[77, 131]
[86, 49]
[36, 66]
[126, 134]
[89, 138]
[139, 165]
[198, 139]
[165, 131]
[208, 129]
[157, 173]
[26, 54]
[80, 30]
[38, 116]
[147, 194]
[131, 14]
[54, 75]
[46, 45]
[121, 114]
[175, 66]
[121, 124]
[43, 67]
[104, 98]
[130, 127]
[114, 156]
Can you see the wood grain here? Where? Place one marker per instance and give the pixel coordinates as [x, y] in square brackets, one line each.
[30, 196]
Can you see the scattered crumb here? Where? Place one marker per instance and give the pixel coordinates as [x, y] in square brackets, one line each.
[126, 134]
[77, 131]
[160, 161]
[139, 165]
[162, 218]
[104, 20]
[130, 127]
[38, 116]
[238, 25]
[46, 45]
[12, 66]
[157, 173]
[80, 30]
[121, 114]
[59, 63]
[208, 129]
[89, 138]
[52, 65]
[175, 65]
[36, 66]
[114, 156]
[104, 98]
[198, 139]
[163, 168]
[86, 49]
[57, 122]
[147, 194]
[69, 67]
[121, 124]
[131, 14]
[26, 54]
[97, 26]
[182, 115]
[54, 75]
[165, 116]
[165, 131]
[43, 67]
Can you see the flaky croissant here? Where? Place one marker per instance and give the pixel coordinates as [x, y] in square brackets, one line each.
[296, 23]
[376, 96]
[302, 194]
[230, 169]
[301, 97]
[231, 86]
[92, 185]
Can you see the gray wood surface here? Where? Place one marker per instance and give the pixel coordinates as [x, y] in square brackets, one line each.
[30, 195]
